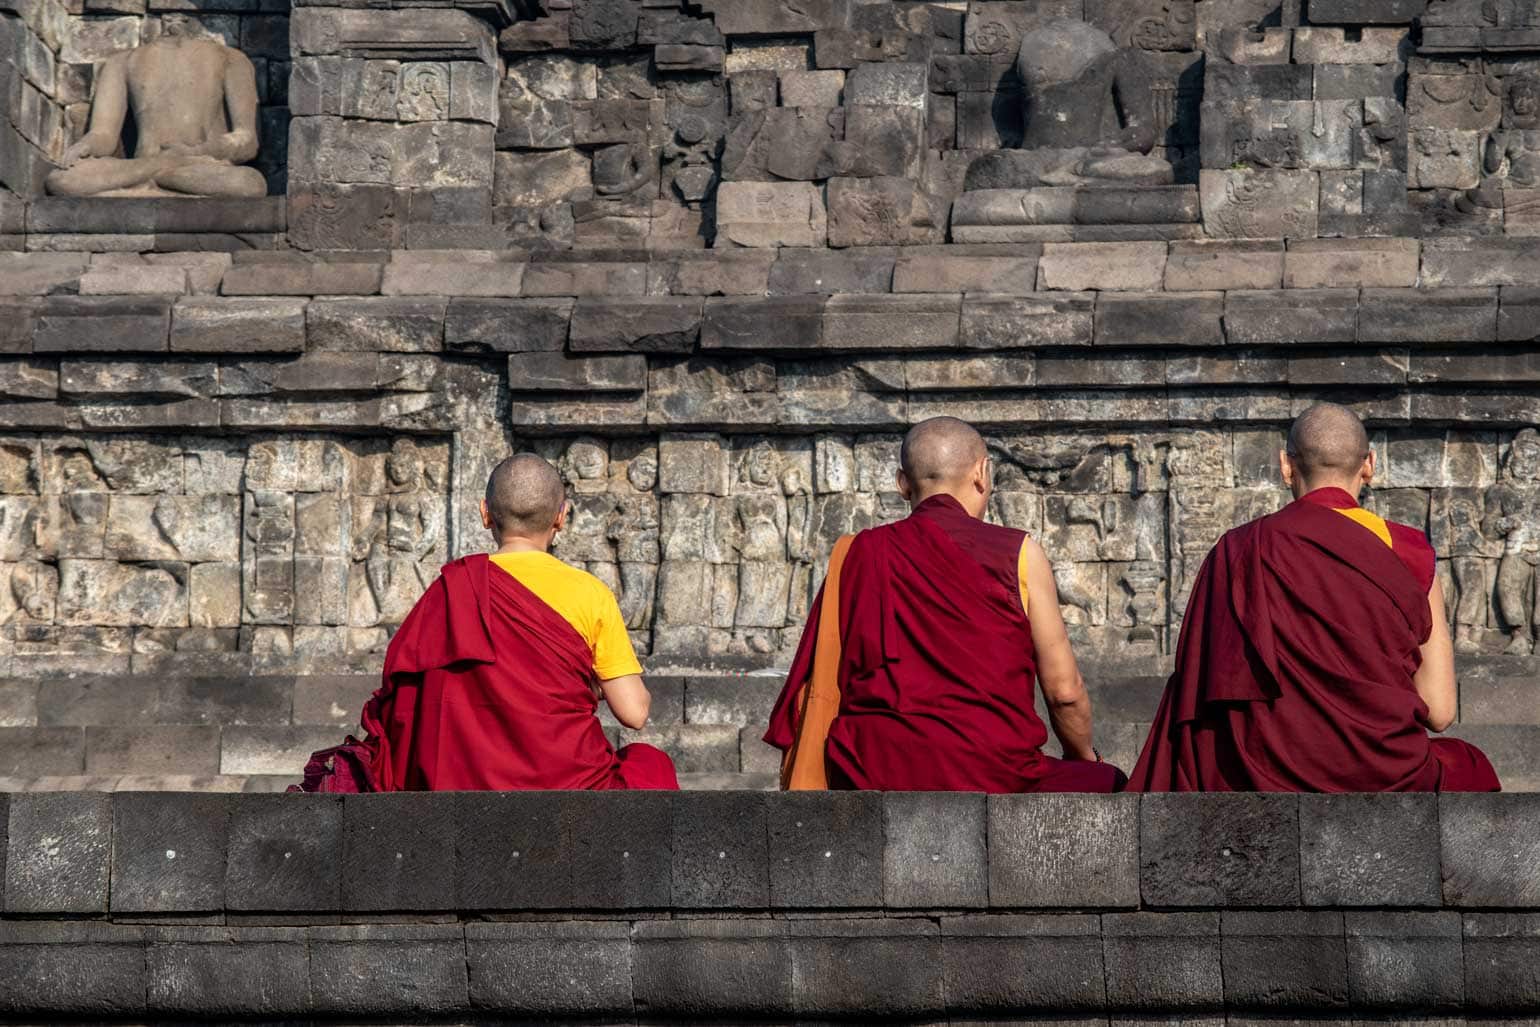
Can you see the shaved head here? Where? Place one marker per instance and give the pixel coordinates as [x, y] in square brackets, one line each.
[940, 454]
[1328, 441]
[524, 495]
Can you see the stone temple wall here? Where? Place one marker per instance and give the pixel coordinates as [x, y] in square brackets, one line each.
[713, 258]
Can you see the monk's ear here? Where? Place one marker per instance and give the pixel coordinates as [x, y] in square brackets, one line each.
[1367, 471]
[486, 517]
[562, 515]
[1286, 468]
[905, 486]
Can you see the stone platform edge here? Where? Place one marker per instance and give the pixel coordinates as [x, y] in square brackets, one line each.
[640, 905]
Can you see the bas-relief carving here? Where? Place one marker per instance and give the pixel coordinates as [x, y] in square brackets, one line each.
[193, 101]
[1513, 515]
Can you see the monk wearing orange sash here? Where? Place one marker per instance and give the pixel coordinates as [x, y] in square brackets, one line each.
[917, 667]
[494, 678]
[1314, 654]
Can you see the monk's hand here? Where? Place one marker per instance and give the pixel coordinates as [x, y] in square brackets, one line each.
[84, 148]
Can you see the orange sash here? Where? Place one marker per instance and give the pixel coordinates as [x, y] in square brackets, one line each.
[802, 768]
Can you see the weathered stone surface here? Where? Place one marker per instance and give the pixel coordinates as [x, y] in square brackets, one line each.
[219, 325]
[1360, 850]
[647, 325]
[507, 326]
[1284, 960]
[387, 325]
[458, 273]
[1224, 265]
[891, 322]
[770, 214]
[739, 322]
[812, 273]
[1405, 961]
[1346, 263]
[1240, 850]
[58, 853]
[1289, 316]
[1427, 315]
[935, 855]
[1078, 267]
[1171, 961]
[1259, 204]
[1188, 319]
[1010, 322]
[102, 324]
[1488, 855]
[1032, 864]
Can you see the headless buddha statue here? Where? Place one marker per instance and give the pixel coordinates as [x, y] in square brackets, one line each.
[1089, 116]
[194, 104]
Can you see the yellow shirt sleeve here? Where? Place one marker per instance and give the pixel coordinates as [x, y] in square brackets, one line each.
[613, 655]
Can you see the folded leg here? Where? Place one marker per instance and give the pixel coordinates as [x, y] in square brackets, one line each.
[643, 766]
[1465, 767]
[1081, 776]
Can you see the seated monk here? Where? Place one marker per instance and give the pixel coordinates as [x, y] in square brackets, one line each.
[493, 679]
[916, 669]
[1314, 655]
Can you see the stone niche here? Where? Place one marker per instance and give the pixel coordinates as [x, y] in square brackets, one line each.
[302, 553]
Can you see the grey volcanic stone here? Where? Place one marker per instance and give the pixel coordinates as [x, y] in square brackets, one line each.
[1006, 965]
[720, 851]
[1038, 856]
[826, 850]
[611, 869]
[1502, 954]
[228, 972]
[877, 968]
[1491, 849]
[508, 851]
[507, 325]
[1405, 961]
[1176, 319]
[574, 968]
[1219, 850]
[57, 969]
[1269, 317]
[711, 969]
[58, 853]
[1369, 850]
[102, 324]
[283, 854]
[935, 856]
[168, 852]
[1168, 961]
[1284, 960]
[398, 852]
[652, 324]
[1014, 322]
[388, 970]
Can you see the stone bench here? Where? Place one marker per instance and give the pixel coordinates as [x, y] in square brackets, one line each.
[737, 904]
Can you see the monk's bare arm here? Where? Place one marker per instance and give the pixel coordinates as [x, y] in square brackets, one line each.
[628, 698]
[1435, 678]
[109, 109]
[1069, 707]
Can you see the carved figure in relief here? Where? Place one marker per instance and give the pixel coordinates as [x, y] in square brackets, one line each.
[799, 542]
[759, 534]
[1467, 569]
[397, 565]
[691, 155]
[194, 107]
[1511, 154]
[1089, 115]
[1513, 514]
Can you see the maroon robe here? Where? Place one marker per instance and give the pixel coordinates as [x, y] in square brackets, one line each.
[1294, 670]
[936, 667]
[487, 688]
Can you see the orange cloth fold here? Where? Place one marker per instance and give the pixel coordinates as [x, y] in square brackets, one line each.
[802, 768]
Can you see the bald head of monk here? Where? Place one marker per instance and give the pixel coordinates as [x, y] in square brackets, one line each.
[526, 502]
[1327, 447]
[945, 456]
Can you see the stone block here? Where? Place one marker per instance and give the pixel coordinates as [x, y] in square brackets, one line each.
[276, 748]
[1102, 266]
[228, 972]
[940, 271]
[566, 969]
[58, 853]
[882, 968]
[651, 324]
[40, 274]
[1219, 850]
[507, 326]
[152, 749]
[824, 273]
[802, 88]
[1351, 263]
[935, 855]
[133, 279]
[1037, 859]
[618, 870]
[735, 322]
[388, 325]
[168, 853]
[1272, 317]
[1407, 962]
[892, 322]
[1315, 44]
[754, 214]
[720, 851]
[508, 852]
[1502, 951]
[1223, 81]
[1284, 960]
[52, 969]
[991, 321]
[1181, 319]
[398, 852]
[17, 322]
[1365, 12]
[1364, 368]
[387, 970]
[1490, 850]
[1007, 965]
[102, 324]
[128, 379]
[282, 855]
[453, 273]
[303, 278]
[1427, 315]
[1168, 961]
[1251, 204]
[1224, 264]
[712, 273]
[1369, 850]
[559, 372]
[711, 969]
[219, 325]
[1469, 262]
[826, 850]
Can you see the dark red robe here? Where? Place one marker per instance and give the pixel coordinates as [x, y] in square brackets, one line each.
[488, 688]
[937, 665]
[1294, 669]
